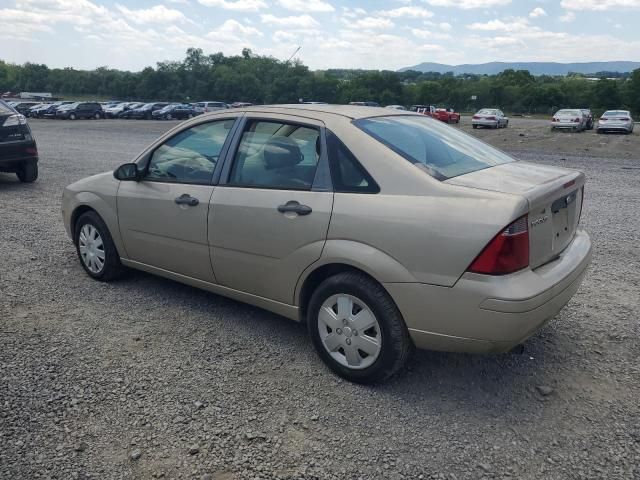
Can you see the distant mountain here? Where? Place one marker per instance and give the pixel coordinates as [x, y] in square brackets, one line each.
[535, 68]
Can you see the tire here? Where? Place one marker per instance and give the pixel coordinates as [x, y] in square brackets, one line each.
[599, 131]
[97, 116]
[148, 116]
[72, 116]
[475, 126]
[190, 115]
[111, 267]
[28, 173]
[389, 337]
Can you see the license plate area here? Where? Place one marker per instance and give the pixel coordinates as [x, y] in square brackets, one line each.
[563, 212]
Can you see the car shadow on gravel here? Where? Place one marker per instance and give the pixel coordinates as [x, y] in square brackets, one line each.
[490, 382]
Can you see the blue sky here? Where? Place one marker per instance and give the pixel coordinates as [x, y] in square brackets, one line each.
[390, 34]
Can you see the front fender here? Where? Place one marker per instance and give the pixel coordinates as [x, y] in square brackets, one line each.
[106, 209]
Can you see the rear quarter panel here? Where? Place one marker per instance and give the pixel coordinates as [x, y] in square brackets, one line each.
[431, 229]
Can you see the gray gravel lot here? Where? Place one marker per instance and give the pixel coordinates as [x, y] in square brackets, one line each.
[147, 378]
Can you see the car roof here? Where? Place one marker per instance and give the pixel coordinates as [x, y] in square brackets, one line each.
[319, 110]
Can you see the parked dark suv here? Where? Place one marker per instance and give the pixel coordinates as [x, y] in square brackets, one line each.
[81, 110]
[146, 111]
[18, 150]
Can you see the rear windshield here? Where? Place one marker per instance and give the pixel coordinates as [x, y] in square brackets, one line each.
[4, 108]
[442, 151]
[569, 112]
[615, 113]
[487, 111]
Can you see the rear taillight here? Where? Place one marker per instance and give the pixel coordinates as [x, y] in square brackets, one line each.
[31, 151]
[475, 117]
[507, 252]
[576, 119]
[554, 119]
[625, 119]
[602, 119]
[13, 120]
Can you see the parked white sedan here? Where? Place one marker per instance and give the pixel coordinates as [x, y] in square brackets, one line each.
[569, 119]
[615, 121]
[490, 118]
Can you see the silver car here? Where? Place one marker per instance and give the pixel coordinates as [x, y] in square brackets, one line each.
[206, 107]
[616, 121]
[380, 229]
[490, 118]
[569, 119]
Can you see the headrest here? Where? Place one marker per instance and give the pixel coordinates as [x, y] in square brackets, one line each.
[281, 152]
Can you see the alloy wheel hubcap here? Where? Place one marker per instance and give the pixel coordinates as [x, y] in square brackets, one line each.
[349, 331]
[91, 248]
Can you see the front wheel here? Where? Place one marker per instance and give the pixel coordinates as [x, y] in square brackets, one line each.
[357, 329]
[28, 173]
[97, 116]
[72, 116]
[96, 250]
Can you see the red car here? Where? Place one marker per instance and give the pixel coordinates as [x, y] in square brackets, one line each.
[447, 115]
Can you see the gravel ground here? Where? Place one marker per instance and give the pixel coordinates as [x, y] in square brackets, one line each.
[147, 378]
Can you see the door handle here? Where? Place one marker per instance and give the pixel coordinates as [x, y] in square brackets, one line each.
[186, 199]
[295, 207]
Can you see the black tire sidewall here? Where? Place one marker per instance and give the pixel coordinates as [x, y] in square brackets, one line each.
[385, 311]
[112, 266]
[28, 173]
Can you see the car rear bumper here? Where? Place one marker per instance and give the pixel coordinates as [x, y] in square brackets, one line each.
[615, 126]
[484, 123]
[565, 125]
[14, 156]
[483, 313]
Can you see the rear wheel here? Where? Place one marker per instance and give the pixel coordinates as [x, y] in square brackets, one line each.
[72, 116]
[97, 116]
[357, 329]
[475, 126]
[28, 173]
[96, 250]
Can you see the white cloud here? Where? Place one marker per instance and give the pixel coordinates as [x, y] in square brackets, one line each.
[306, 5]
[445, 26]
[156, 14]
[538, 12]
[409, 12]
[369, 23]
[467, 4]
[429, 34]
[284, 37]
[568, 17]
[237, 5]
[233, 28]
[599, 5]
[300, 21]
[511, 25]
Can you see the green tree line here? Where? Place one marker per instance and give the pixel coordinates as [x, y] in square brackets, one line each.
[263, 80]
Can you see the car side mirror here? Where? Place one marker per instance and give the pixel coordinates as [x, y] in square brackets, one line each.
[127, 172]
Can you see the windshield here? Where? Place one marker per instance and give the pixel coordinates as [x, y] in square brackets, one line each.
[569, 112]
[442, 150]
[615, 113]
[488, 111]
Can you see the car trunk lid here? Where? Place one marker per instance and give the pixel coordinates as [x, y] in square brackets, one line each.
[555, 202]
